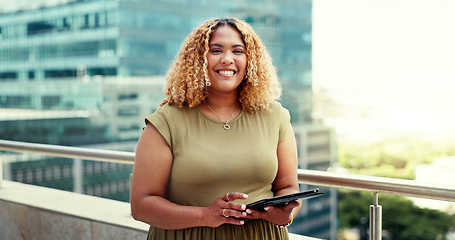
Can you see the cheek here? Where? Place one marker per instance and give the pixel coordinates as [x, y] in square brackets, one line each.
[211, 61]
[242, 64]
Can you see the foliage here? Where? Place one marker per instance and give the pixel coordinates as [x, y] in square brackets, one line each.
[395, 158]
[391, 157]
[400, 216]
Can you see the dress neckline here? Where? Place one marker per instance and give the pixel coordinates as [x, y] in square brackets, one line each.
[217, 120]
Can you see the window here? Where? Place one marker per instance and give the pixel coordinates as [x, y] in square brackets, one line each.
[97, 20]
[102, 71]
[128, 111]
[39, 27]
[16, 101]
[61, 73]
[126, 128]
[31, 75]
[8, 75]
[65, 23]
[48, 102]
[126, 96]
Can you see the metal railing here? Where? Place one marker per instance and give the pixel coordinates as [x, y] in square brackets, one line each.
[311, 177]
[377, 185]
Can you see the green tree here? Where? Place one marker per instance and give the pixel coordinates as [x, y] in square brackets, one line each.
[400, 216]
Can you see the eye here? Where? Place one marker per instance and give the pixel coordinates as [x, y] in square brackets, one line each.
[238, 51]
[216, 50]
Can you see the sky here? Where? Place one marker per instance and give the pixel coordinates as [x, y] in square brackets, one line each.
[394, 55]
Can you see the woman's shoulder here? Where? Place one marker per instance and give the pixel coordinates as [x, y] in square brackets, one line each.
[166, 112]
[171, 110]
[274, 111]
[279, 111]
[275, 107]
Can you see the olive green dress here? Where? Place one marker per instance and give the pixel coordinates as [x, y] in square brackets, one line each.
[210, 161]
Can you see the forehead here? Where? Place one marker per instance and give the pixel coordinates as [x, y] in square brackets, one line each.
[228, 35]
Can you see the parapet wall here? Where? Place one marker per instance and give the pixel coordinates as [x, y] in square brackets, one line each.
[32, 212]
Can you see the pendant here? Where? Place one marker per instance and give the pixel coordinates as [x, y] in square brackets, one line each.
[226, 126]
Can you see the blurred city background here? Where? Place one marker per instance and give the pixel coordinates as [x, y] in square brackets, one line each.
[369, 85]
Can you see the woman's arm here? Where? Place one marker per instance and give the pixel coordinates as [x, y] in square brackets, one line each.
[152, 168]
[286, 182]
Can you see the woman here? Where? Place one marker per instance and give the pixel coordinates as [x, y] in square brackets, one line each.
[218, 141]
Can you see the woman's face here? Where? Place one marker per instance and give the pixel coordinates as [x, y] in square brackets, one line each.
[226, 59]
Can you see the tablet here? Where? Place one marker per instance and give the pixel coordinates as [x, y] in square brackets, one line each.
[284, 199]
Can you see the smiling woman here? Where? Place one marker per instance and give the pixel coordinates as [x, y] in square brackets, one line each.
[218, 142]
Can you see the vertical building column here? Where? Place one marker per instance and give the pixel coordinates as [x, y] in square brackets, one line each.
[22, 75]
[1, 170]
[5, 169]
[39, 74]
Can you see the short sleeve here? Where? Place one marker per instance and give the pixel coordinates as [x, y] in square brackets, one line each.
[161, 123]
[285, 119]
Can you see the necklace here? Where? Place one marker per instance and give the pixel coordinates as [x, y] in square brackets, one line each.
[226, 125]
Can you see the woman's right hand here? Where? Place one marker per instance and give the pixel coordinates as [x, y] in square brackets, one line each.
[223, 210]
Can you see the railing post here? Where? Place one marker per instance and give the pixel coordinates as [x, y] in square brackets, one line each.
[375, 219]
[77, 175]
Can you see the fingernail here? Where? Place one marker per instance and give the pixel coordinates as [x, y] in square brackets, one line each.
[266, 208]
[248, 211]
[244, 214]
[245, 196]
[242, 222]
[243, 207]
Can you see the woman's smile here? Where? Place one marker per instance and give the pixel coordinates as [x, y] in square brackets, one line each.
[227, 73]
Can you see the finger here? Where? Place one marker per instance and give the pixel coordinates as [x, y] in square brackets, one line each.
[225, 213]
[288, 206]
[231, 196]
[234, 221]
[236, 206]
[293, 204]
[227, 198]
[254, 214]
[231, 213]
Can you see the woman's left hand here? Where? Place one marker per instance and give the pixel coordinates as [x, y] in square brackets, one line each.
[279, 215]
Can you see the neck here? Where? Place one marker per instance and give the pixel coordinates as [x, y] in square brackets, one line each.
[222, 101]
[223, 109]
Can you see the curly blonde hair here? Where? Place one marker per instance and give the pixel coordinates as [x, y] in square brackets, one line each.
[186, 81]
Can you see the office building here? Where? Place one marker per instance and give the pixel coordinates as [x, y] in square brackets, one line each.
[112, 120]
[316, 151]
[140, 38]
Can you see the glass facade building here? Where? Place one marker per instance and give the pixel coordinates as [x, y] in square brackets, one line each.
[107, 58]
[140, 38]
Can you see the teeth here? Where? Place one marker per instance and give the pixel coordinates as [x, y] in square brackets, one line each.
[226, 72]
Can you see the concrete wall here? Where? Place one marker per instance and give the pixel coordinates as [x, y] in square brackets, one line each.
[32, 212]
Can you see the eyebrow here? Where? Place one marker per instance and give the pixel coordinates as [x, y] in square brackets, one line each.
[219, 45]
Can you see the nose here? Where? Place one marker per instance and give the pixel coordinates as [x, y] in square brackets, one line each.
[227, 59]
